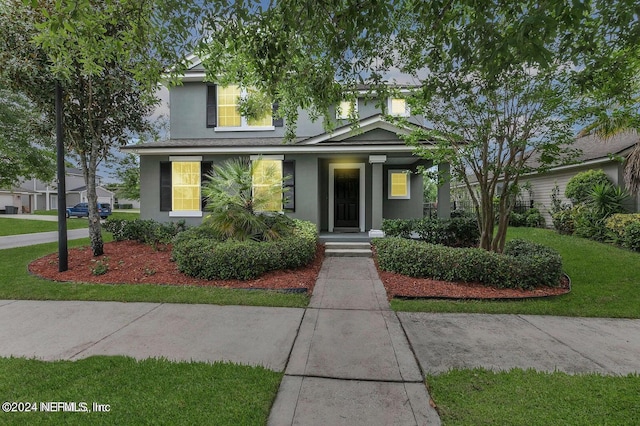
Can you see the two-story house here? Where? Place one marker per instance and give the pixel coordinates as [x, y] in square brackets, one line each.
[344, 181]
[33, 194]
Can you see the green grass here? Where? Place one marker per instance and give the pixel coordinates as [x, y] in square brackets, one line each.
[17, 283]
[28, 226]
[119, 214]
[151, 391]
[605, 283]
[481, 397]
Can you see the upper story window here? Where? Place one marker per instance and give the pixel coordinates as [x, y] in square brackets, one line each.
[346, 109]
[223, 113]
[398, 107]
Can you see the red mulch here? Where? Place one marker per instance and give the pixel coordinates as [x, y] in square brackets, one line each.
[133, 263]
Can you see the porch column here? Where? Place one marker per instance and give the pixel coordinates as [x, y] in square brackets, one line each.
[376, 162]
[444, 192]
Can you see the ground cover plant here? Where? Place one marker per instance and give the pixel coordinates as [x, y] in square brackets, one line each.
[17, 283]
[517, 397]
[152, 391]
[28, 226]
[605, 281]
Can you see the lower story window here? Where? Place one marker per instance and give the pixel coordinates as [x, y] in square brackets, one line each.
[399, 184]
[267, 184]
[185, 177]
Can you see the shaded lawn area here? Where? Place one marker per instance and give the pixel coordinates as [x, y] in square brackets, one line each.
[152, 391]
[17, 283]
[481, 397]
[28, 226]
[605, 283]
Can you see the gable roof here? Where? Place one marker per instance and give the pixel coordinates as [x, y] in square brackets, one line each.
[593, 147]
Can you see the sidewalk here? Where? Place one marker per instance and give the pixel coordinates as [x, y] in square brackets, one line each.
[22, 240]
[351, 363]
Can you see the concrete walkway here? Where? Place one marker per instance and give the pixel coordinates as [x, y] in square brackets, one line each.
[351, 363]
[22, 240]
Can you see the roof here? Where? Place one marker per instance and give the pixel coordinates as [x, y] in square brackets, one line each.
[342, 139]
[593, 147]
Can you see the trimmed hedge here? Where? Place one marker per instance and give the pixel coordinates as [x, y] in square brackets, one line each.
[199, 255]
[524, 265]
[145, 231]
[460, 231]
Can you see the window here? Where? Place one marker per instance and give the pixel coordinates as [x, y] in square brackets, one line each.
[180, 181]
[228, 116]
[185, 185]
[267, 184]
[399, 184]
[346, 108]
[398, 107]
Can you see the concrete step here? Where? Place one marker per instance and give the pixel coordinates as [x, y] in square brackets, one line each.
[347, 252]
[347, 245]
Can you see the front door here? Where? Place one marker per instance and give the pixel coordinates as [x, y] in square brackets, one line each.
[347, 198]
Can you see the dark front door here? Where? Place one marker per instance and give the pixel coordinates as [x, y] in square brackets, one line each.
[347, 198]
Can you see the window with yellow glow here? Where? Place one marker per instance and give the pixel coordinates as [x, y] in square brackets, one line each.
[185, 186]
[228, 114]
[267, 185]
[398, 107]
[345, 109]
[399, 184]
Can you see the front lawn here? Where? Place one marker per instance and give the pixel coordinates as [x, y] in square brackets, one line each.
[152, 391]
[28, 226]
[605, 283]
[17, 283]
[481, 397]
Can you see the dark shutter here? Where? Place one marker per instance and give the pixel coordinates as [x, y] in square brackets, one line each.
[277, 122]
[289, 173]
[165, 186]
[205, 170]
[212, 110]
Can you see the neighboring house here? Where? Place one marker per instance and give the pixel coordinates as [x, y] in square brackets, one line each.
[342, 180]
[596, 153]
[33, 194]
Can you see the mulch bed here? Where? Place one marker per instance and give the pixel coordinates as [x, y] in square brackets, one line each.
[130, 262]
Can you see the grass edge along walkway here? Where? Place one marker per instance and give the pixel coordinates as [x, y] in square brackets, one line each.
[151, 391]
[605, 282]
[528, 398]
[17, 283]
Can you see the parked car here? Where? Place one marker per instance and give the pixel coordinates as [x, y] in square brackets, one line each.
[82, 210]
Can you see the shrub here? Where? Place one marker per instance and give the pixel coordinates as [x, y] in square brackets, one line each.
[531, 218]
[199, 255]
[461, 231]
[631, 237]
[580, 186]
[535, 264]
[402, 228]
[528, 265]
[144, 231]
[618, 222]
[563, 221]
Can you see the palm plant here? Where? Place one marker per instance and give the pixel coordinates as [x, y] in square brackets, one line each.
[239, 212]
[606, 126]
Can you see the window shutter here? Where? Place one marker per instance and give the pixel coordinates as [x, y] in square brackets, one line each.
[212, 110]
[277, 122]
[205, 170]
[165, 186]
[289, 173]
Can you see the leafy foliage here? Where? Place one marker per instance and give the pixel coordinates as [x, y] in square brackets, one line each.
[238, 212]
[144, 231]
[524, 265]
[128, 175]
[581, 185]
[455, 232]
[25, 139]
[199, 255]
[531, 218]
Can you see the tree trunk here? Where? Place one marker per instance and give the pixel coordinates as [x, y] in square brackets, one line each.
[95, 229]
